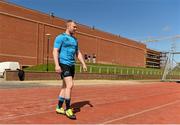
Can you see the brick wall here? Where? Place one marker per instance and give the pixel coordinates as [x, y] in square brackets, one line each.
[23, 39]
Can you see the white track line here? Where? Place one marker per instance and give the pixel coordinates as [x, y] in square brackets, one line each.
[29, 114]
[141, 112]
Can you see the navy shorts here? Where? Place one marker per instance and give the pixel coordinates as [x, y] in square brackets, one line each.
[67, 70]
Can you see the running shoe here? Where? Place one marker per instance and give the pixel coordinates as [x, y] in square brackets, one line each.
[69, 114]
[60, 110]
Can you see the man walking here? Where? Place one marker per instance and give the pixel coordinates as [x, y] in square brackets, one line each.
[64, 52]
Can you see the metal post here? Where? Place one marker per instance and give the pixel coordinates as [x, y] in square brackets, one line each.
[47, 54]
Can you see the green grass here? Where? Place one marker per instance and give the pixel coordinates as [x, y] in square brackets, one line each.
[102, 68]
[40, 68]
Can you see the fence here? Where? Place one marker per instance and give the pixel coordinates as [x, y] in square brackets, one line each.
[123, 70]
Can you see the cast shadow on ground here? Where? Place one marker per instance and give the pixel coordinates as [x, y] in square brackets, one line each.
[78, 105]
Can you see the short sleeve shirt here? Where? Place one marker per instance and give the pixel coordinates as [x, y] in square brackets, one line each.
[68, 47]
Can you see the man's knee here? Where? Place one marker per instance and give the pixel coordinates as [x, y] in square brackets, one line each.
[69, 85]
[69, 82]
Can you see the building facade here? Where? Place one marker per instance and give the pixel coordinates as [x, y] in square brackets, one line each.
[27, 36]
[153, 59]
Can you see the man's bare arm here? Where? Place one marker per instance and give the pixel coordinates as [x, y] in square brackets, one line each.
[56, 60]
[80, 57]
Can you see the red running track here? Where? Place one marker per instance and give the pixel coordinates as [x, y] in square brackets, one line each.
[157, 103]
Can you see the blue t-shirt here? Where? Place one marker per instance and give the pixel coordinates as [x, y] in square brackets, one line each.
[68, 47]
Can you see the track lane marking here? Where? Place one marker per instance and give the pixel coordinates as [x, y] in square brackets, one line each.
[141, 112]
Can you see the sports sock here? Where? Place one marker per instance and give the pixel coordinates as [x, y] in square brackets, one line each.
[60, 102]
[68, 101]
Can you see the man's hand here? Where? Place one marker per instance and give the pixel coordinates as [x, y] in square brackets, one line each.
[84, 68]
[58, 69]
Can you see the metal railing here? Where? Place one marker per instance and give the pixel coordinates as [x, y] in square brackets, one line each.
[121, 70]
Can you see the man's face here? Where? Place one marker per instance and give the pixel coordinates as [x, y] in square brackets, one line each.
[72, 27]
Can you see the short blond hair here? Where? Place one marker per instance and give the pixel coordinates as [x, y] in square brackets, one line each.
[68, 22]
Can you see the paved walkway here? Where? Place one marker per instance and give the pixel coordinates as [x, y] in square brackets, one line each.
[36, 83]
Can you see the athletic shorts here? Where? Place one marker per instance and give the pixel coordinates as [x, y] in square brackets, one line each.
[67, 70]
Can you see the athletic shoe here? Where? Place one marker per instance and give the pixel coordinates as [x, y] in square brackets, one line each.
[69, 114]
[60, 110]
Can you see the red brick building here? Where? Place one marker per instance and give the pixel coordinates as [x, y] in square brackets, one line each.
[23, 38]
